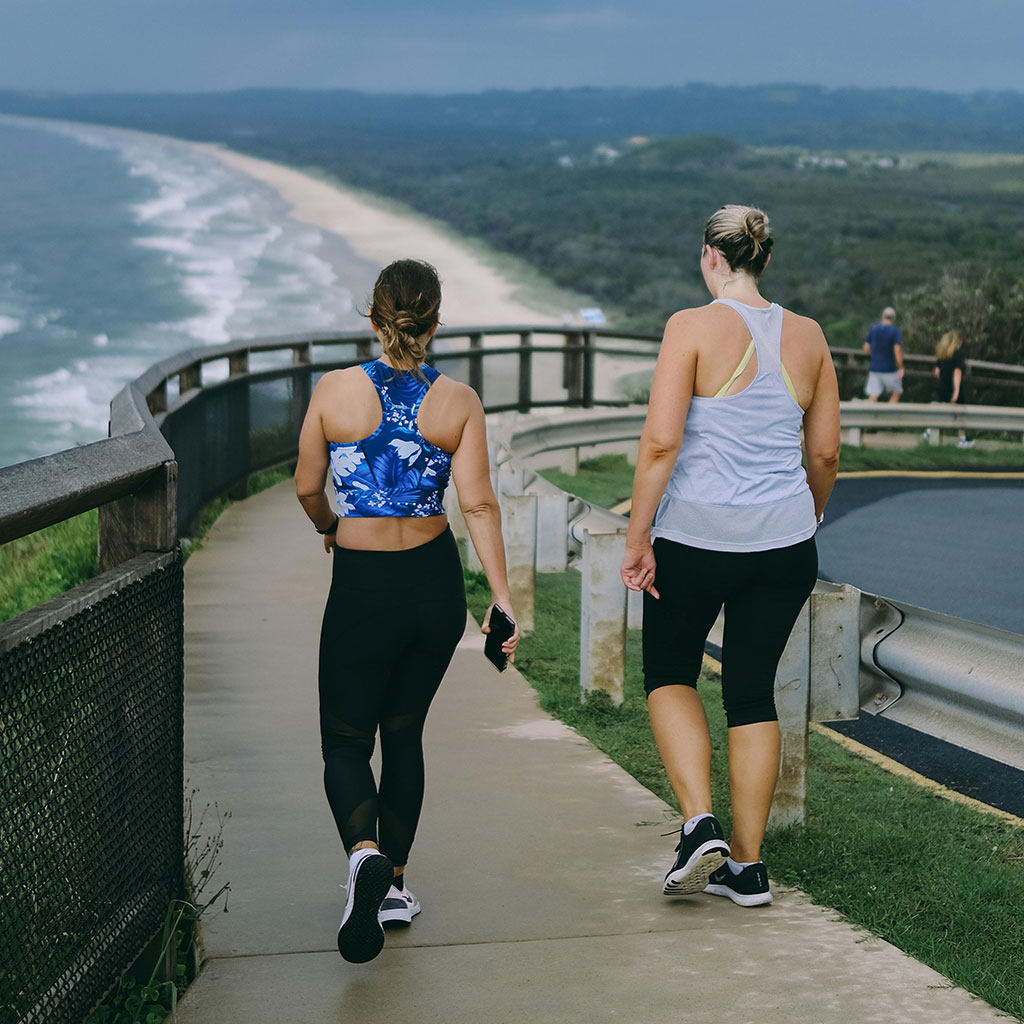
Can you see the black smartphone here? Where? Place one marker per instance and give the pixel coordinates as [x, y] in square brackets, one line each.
[502, 627]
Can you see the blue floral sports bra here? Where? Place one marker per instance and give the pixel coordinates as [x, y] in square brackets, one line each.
[395, 471]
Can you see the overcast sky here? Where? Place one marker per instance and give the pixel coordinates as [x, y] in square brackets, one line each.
[469, 45]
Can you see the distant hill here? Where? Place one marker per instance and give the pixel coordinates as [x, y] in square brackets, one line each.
[801, 115]
[606, 190]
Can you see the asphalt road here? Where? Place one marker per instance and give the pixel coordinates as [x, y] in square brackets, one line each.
[953, 545]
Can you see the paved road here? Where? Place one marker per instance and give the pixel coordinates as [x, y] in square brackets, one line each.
[952, 545]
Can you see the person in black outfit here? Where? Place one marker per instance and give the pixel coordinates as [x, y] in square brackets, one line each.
[385, 437]
[950, 371]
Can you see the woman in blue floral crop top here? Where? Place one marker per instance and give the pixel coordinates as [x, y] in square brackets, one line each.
[390, 434]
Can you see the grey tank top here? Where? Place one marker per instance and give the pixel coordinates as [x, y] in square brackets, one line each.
[738, 483]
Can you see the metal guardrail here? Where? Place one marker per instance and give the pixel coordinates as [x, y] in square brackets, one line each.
[857, 416]
[945, 676]
[959, 681]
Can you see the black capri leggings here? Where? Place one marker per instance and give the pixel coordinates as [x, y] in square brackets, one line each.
[391, 625]
[763, 592]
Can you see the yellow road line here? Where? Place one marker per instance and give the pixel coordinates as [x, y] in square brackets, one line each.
[712, 663]
[859, 474]
[894, 767]
[864, 474]
[908, 773]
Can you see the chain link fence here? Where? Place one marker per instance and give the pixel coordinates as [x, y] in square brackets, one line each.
[91, 840]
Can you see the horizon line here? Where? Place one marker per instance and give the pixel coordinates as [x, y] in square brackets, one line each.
[41, 93]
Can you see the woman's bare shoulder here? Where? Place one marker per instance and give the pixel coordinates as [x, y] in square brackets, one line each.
[335, 382]
[693, 317]
[802, 328]
[455, 392]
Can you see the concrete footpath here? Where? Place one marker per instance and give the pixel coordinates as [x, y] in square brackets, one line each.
[538, 861]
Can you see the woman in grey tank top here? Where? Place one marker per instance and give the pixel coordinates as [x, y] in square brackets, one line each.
[724, 515]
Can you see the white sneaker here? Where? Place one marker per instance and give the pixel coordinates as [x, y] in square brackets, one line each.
[964, 443]
[360, 936]
[399, 907]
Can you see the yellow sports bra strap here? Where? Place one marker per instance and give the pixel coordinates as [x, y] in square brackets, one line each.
[789, 385]
[724, 389]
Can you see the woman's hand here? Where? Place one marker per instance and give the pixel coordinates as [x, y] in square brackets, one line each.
[331, 540]
[638, 568]
[510, 645]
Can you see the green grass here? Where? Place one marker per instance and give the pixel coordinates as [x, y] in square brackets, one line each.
[605, 480]
[936, 458]
[37, 568]
[608, 479]
[939, 880]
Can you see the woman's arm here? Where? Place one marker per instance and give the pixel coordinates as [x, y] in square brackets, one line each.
[821, 433]
[472, 477]
[671, 391]
[958, 376]
[311, 469]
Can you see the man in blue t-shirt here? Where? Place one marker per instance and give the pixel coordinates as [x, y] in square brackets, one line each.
[885, 346]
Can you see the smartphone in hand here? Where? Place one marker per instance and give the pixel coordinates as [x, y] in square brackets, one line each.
[502, 627]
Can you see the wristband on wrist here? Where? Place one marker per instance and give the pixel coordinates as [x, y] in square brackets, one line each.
[330, 529]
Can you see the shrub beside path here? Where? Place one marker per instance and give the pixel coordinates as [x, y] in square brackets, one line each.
[538, 861]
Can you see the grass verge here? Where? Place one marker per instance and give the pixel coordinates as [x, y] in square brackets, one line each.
[608, 479]
[38, 567]
[939, 880]
[942, 881]
[35, 568]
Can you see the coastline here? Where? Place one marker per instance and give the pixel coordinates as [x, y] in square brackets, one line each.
[480, 287]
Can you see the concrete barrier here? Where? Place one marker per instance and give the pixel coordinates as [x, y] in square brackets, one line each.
[519, 525]
[552, 518]
[603, 615]
[792, 694]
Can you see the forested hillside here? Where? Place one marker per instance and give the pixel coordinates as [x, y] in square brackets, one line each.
[606, 190]
[802, 115]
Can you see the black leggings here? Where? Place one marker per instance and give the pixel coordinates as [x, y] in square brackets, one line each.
[763, 592]
[391, 625]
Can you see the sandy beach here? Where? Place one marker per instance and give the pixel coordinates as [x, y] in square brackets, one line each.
[480, 289]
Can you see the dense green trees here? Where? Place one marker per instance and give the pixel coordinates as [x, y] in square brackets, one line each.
[607, 190]
[853, 232]
[987, 309]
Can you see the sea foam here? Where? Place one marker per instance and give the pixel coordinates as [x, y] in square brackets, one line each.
[240, 266]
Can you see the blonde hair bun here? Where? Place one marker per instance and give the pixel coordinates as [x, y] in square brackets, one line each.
[756, 224]
[743, 235]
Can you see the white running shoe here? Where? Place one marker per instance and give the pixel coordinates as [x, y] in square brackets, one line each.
[400, 906]
[360, 936]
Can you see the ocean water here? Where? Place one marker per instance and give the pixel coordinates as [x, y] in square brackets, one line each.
[118, 249]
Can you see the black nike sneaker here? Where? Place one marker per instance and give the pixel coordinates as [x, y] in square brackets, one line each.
[697, 855]
[749, 888]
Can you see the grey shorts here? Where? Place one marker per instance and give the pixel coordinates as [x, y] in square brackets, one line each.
[879, 382]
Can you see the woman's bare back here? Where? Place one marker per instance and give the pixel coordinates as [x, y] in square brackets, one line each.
[350, 410]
